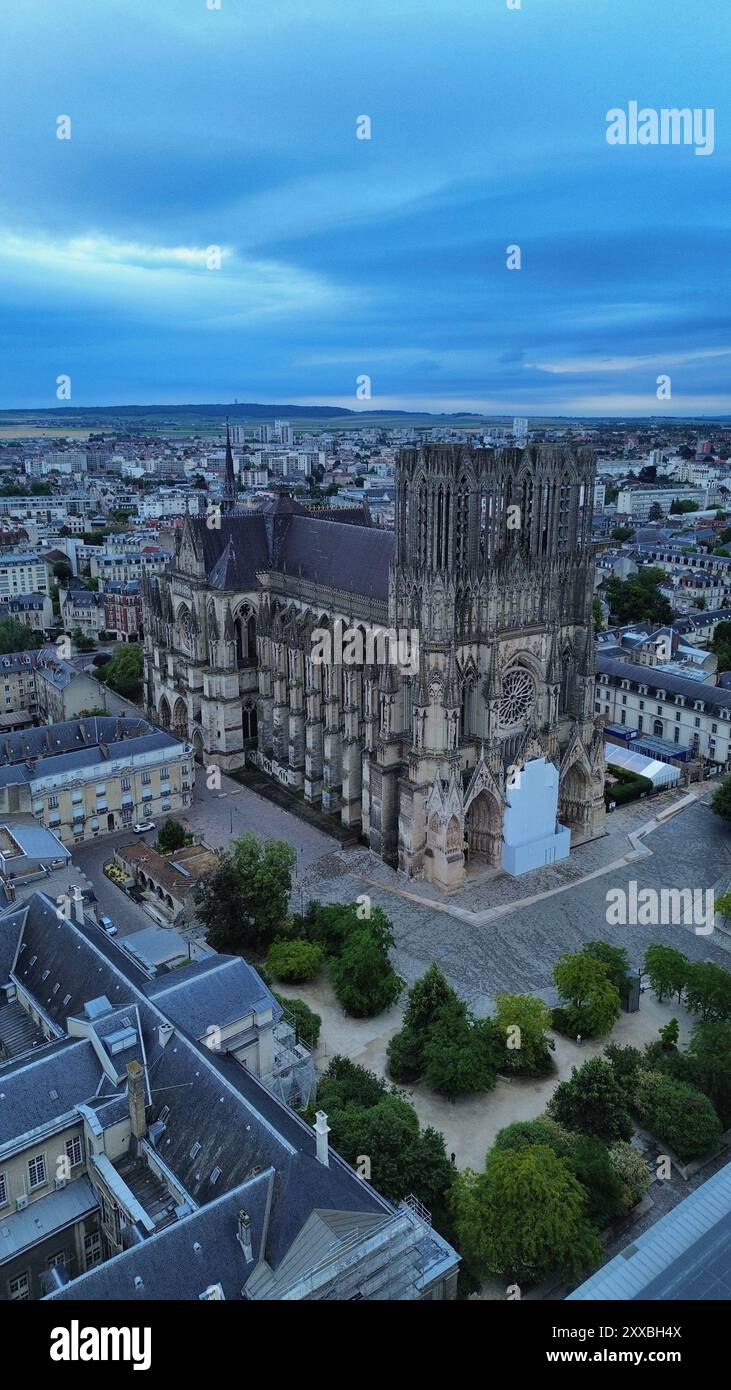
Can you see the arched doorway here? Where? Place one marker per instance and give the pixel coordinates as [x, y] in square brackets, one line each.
[198, 745]
[575, 797]
[110, 821]
[164, 712]
[484, 828]
[180, 719]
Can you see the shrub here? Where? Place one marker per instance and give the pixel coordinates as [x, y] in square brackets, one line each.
[589, 1161]
[461, 1053]
[294, 961]
[630, 1168]
[362, 976]
[405, 1056]
[679, 1114]
[592, 1102]
[523, 1133]
[305, 1020]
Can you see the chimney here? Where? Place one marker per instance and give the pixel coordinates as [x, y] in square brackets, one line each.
[136, 1099]
[243, 1235]
[322, 1129]
[77, 906]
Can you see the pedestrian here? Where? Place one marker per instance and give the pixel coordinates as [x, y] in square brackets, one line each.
[453, 1159]
[578, 1039]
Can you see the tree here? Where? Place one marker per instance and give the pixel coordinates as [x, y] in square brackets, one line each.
[294, 961]
[622, 533]
[460, 1054]
[303, 1018]
[596, 612]
[265, 870]
[708, 991]
[62, 571]
[524, 1218]
[589, 1161]
[709, 1050]
[639, 596]
[405, 1056]
[16, 637]
[362, 976]
[678, 1114]
[669, 1035]
[723, 905]
[522, 1021]
[82, 642]
[591, 1001]
[616, 960]
[592, 1101]
[124, 672]
[721, 802]
[626, 1065]
[667, 970]
[171, 836]
[524, 1134]
[630, 1168]
[655, 512]
[330, 924]
[679, 506]
[406, 1049]
[219, 902]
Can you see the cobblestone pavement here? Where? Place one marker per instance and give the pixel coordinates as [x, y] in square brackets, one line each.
[517, 950]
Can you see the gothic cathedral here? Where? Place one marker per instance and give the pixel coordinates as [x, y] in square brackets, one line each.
[484, 748]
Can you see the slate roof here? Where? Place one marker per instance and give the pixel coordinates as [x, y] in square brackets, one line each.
[44, 1088]
[686, 1254]
[216, 991]
[286, 538]
[711, 695]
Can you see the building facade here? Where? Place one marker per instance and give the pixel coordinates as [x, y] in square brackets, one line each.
[489, 572]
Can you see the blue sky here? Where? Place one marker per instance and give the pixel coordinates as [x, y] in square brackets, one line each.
[194, 128]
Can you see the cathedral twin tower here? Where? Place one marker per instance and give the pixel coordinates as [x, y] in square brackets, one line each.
[483, 750]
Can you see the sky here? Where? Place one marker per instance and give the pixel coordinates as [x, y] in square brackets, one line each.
[214, 229]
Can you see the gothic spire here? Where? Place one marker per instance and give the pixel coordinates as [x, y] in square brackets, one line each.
[228, 496]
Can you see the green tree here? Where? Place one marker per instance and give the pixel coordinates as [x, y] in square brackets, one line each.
[81, 641]
[171, 836]
[589, 1161]
[362, 976]
[669, 1034]
[678, 1114]
[523, 1134]
[622, 533]
[593, 1102]
[124, 672]
[639, 596]
[596, 612]
[721, 802]
[461, 1053]
[62, 571]
[709, 1050]
[708, 991]
[723, 905]
[591, 1002]
[524, 1217]
[303, 1018]
[667, 970]
[522, 1021]
[294, 961]
[627, 1063]
[616, 960]
[630, 1168]
[265, 870]
[16, 637]
[220, 905]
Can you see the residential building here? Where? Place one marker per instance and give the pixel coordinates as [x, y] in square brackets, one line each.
[85, 777]
[82, 609]
[146, 1155]
[22, 574]
[671, 713]
[18, 685]
[123, 609]
[32, 610]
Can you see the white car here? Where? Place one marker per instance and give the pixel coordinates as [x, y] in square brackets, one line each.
[107, 925]
[143, 826]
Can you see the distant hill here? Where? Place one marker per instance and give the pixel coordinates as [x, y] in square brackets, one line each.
[248, 410]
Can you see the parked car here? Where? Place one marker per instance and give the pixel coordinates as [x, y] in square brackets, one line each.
[107, 925]
[143, 826]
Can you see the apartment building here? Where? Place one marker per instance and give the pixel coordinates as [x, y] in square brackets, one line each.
[123, 609]
[146, 1155]
[86, 777]
[22, 574]
[18, 689]
[62, 690]
[124, 566]
[637, 502]
[672, 714]
[32, 610]
[82, 609]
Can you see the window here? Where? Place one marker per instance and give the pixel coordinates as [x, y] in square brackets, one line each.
[92, 1249]
[677, 718]
[126, 784]
[52, 802]
[714, 728]
[677, 735]
[165, 772]
[639, 723]
[697, 723]
[57, 1261]
[642, 704]
[37, 1171]
[19, 1288]
[145, 779]
[75, 1150]
[3, 1190]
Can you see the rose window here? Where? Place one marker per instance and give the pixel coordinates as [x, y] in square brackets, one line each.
[517, 698]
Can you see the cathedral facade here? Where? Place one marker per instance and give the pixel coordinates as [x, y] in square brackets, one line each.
[490, 566]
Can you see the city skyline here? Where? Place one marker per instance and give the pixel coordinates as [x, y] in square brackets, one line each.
[344, 257]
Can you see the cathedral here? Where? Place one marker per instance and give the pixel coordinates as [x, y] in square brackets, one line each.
[483, 749]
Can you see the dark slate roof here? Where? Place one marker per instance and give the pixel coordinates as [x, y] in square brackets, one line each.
[47, 1086]
[333, 552]
[686, 1254]
[217, 991]
[655, 679]
[182, 1261]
